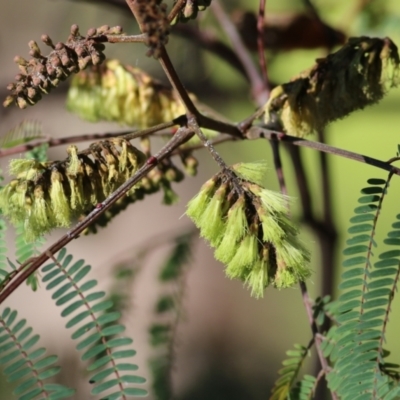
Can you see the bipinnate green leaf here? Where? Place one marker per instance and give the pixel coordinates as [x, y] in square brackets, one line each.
[362, 310]
[30, 367]
[95, 327]
[288, 374]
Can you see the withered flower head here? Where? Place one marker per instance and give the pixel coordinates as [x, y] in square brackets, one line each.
[357, 75]
[154, 21]
[42, 72]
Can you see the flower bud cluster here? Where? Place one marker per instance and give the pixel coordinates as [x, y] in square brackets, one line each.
[249, 229]
[357, 75]
[190, 10]
[154, 21]
[42, 73]
[48, 195]
[124, 94]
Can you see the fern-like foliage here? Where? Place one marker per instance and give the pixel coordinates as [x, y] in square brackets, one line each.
[288, 375]
[94, 338]
[24, 363]
[362, 310]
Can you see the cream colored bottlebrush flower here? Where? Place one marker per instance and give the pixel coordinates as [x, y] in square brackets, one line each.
[249, 229]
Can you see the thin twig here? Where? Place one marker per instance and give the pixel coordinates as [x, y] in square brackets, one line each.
[176, 10]
[53, 142]
[126, 38]
[278, 166]
[219, 140]
[206, 40]
[192, 123]
[257, 84]
[261, 45]
[176, 83]
[328, 238]
[257, 132]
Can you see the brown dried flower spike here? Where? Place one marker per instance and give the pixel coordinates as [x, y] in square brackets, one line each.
[357, 75]
[42, 73]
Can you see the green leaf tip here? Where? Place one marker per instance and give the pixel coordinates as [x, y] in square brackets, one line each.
[249, 228]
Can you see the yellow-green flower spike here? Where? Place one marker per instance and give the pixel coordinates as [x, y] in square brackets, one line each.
[292, 254]
[211, 222]
[22, 165]
[77, 198]
[17, 201]
[285, 278]
[273, 202]
[42, 215]
[253, 172]
[273, 231]
[258, 278]
[245, 258]
[236, 228]
[59, 200]
[26, 169]
[6, 194]
[74, 164]
[123, 157]
[199, 203]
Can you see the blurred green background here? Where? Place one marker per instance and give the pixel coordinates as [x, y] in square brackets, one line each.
[229, 345]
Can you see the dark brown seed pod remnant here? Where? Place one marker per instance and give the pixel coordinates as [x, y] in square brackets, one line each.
[42, 73]
[154, 21]
[357, 75]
